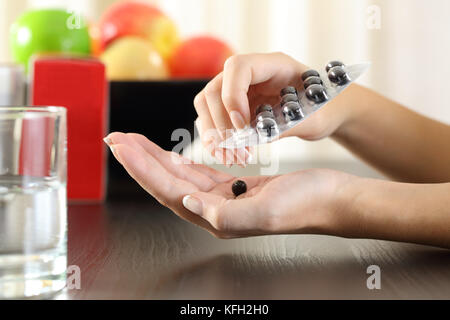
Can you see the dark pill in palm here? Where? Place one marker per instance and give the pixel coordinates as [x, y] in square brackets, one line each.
[239, 187]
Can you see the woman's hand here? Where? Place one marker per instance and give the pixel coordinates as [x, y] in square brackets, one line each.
[316, 201]
[300, 202]
[231, 98]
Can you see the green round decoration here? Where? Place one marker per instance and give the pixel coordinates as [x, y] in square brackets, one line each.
[48, 31]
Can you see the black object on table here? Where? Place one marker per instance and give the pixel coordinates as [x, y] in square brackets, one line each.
[154, 109]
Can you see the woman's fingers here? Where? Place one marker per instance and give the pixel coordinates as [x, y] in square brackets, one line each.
[167, 189]
[240, 72]
[237, 77]
[172, 162]
[224, 103]
[216, 210]
[217, 176]
[209, 134]
[219, 115]
[151, 175]
[205, 123]
[222, 122]
[208, 106]
[205, 177]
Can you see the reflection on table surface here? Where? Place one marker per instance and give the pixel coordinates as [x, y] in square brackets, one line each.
[141, 250]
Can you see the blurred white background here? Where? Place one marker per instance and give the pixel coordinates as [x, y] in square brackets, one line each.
[409, 45]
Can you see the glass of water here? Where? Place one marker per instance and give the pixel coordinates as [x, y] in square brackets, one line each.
[33, 210]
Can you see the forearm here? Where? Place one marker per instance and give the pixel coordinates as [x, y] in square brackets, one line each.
[378, 209]
[399, 142]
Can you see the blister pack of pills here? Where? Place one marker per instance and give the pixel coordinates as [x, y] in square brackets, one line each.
[296, 104]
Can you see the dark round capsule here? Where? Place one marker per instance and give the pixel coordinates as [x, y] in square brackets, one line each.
[264, 115]
[338, 75]
[311, 80]
[267, 127]
[264, 108]
[288, 90]
[288, 98]
[239, 187]
[332, 64]
[316, 93]
[310, 73]
[292, 111]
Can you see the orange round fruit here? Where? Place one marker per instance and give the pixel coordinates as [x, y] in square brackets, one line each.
[199, 58]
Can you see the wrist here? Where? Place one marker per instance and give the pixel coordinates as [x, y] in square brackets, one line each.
[331, 119]
[341, 214]
[350, 105]
[332, 207]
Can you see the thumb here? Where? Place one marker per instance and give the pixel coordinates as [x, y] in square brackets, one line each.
[223, 214]
[205, 205]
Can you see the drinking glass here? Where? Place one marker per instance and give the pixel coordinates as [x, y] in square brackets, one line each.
[12, 84]
[33, 210]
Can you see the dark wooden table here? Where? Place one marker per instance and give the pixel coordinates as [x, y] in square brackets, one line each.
[140, 250]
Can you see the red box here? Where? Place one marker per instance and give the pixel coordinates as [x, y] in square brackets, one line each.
[79, 85]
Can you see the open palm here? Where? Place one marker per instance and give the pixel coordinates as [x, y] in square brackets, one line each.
[271, 204]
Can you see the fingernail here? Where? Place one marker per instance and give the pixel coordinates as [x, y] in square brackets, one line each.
[113, 150]
[237, 119]
[108, 141]
[192, 204]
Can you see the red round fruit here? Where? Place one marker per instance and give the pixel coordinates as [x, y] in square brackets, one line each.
[199, 58]
[134, 18]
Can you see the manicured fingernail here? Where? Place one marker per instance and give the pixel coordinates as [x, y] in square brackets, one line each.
[108, 141]
[192, 204]
[113, 150]
[237, 119]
